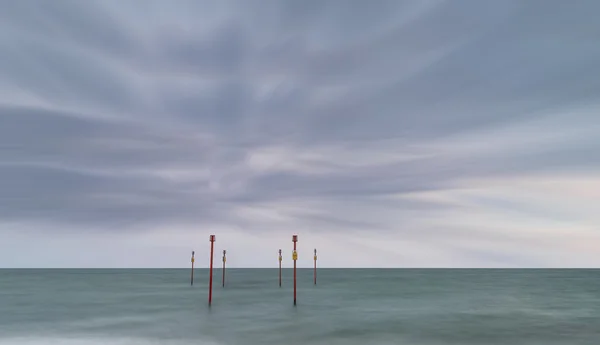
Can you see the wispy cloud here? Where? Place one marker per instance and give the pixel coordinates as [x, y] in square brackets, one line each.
[393, 133]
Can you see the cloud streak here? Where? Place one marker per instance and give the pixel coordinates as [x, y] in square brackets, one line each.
[441, 133]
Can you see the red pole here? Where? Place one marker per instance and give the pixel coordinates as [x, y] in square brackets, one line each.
[212, 247]
[280, 258]
[224, 259]
[192, 278]
[315, 274]
[295, 257]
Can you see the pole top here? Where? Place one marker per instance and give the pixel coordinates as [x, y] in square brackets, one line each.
[315, 251]
[192, 253]
[279, 251]
[294, 238]
[224, 252]
[212, 238]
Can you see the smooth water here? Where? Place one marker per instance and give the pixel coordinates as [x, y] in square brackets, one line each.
[348, 306]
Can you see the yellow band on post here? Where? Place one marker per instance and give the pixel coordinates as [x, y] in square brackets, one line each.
[295, 255]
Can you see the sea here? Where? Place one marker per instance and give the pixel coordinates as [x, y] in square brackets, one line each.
[346, 306]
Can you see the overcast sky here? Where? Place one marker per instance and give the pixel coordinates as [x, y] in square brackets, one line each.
[385, 133]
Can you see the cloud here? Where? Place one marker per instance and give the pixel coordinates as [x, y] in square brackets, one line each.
[410, 133]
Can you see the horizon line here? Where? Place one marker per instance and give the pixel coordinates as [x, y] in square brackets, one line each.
[307, 268]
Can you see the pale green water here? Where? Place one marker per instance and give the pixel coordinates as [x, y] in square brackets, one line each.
[346, 307]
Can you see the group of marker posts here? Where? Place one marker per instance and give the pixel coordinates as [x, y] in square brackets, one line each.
[212, 247]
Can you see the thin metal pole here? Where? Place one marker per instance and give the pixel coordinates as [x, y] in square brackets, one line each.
[315, 273]
[212, 247]
[280, 258]
[192, 274]
[295, 257]
[224, 259]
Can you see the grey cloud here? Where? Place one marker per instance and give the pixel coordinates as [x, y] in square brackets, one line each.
[62, 196]
[56, 136]
[65, 76]
[146, 114]
[223, 53]
[70, 22]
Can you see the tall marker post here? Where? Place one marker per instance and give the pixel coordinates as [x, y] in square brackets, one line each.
[224, 259]
[280, 258]
[212, 248]
[295, 257]
[315, 273]
[192, 274]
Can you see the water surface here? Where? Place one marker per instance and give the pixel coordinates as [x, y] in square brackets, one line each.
[348, 306]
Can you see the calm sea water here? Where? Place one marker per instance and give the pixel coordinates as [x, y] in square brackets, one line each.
[348, 306]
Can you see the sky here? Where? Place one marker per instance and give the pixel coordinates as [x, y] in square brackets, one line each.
[423, 133]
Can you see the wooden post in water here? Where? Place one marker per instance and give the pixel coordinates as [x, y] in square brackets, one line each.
[295, 257]
[192, 274]
[210, 279]
[224, 259]
[315, 273]
[280, 258]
